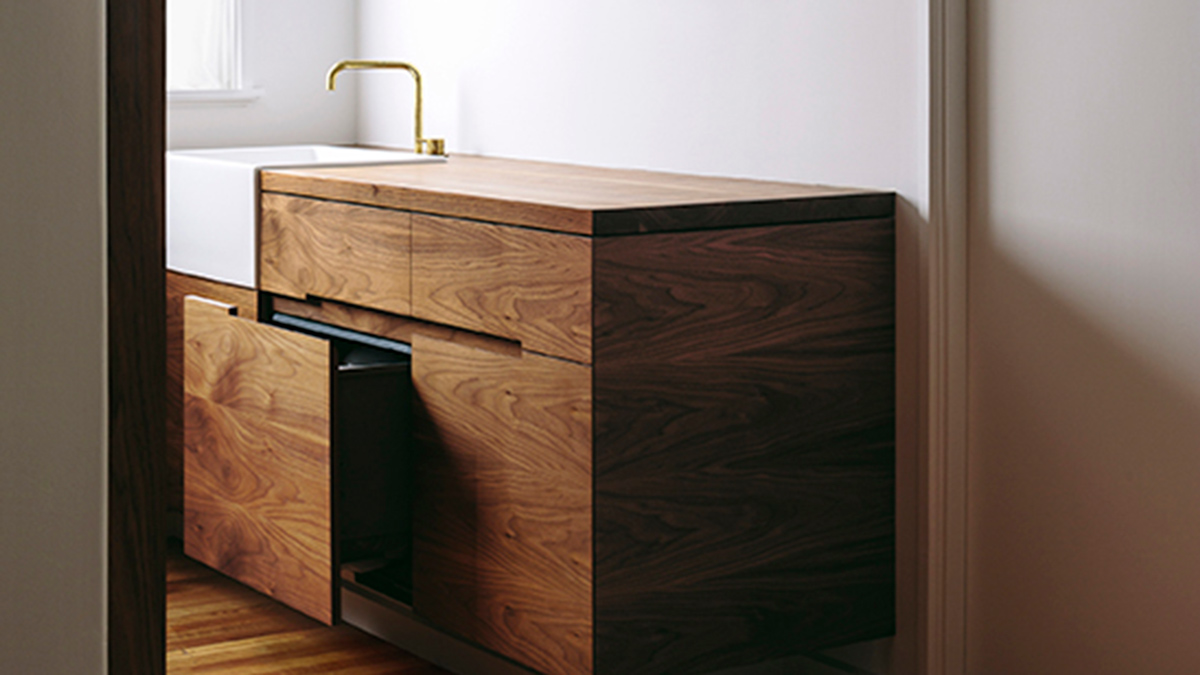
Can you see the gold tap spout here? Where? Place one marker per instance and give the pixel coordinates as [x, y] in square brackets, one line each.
[422, 145]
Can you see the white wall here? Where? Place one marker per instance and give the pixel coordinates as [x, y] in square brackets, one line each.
[830, 91]
[1084, 493]
[53, 415]
[288, 45]
[822, 91]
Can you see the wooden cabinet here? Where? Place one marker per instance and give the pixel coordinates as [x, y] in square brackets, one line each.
[653, 415]
[179, 286]
[743, 457]
[257, 456]
[279, 486]
[334, 250]
[503, 547]
[526, 285]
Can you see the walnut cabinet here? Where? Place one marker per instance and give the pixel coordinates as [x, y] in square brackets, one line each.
[647, 425]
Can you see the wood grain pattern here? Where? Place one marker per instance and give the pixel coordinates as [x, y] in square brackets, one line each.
[257, 467]
[339, 649]
[578, 199]
[340, 251]
[135, 141]
[215, 625]
[744, 469]
[178, 286]
[399, 328]
[526, 285]
[503, 513]
[205, 608]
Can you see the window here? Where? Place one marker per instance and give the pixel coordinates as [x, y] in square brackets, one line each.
[204, 51]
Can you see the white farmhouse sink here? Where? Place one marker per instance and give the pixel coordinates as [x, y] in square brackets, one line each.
[212, 202]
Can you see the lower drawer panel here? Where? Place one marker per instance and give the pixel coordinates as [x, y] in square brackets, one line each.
[179, 286]
[503, 545]
[276, 421]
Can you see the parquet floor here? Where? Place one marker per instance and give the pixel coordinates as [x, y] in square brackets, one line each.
[216, 625]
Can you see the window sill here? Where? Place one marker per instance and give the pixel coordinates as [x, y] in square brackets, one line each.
[214, 97]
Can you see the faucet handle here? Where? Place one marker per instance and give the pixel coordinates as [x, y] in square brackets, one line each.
[436, 146]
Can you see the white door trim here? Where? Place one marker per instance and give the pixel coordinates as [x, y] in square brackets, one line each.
[943, 475]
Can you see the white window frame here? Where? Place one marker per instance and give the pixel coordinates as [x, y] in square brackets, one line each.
[235, 92]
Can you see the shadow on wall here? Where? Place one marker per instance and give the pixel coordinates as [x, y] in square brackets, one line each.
[1084, 491]
[1084, 460]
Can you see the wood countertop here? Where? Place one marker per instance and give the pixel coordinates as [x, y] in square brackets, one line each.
[579, 199]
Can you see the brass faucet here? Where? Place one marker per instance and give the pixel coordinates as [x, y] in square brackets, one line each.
[422, 145]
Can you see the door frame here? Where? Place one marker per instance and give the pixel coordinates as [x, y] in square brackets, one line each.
[942, 474]
[135, 101]
[136, 141]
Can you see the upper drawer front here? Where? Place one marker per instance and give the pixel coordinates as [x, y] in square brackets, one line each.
[527, 285]
[356, 254]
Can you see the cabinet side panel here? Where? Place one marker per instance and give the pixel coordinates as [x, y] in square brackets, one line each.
[744, 444]
[179, 285]
[257, 480]
[503, 515]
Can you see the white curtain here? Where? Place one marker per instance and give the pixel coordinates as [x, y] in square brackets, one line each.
[202, 45]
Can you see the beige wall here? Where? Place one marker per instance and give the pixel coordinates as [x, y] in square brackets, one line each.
[1084, 302]
[52, 379]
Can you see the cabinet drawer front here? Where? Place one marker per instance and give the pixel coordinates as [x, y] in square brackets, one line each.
[257, 481]
[521, 284]
[355, 254]
[503, 521]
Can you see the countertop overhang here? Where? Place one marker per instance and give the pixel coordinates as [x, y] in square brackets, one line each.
[579, 199]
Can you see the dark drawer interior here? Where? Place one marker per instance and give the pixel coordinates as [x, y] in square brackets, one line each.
[373, 464]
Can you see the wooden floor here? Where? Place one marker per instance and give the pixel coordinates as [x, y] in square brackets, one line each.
[216, 625]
